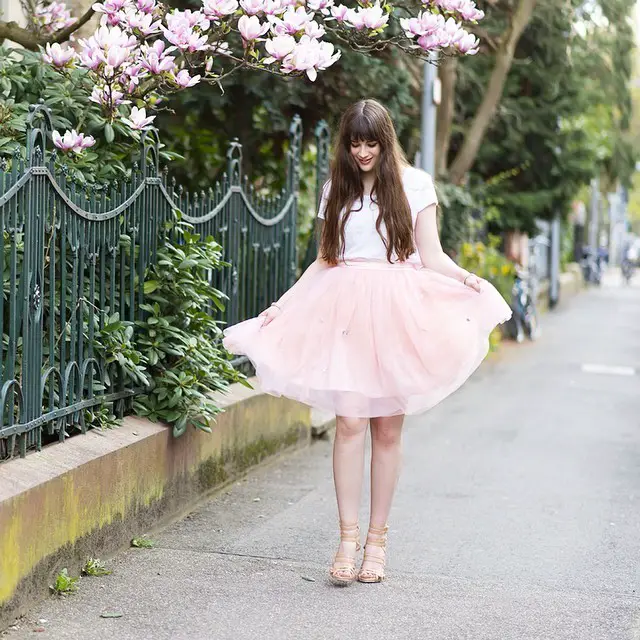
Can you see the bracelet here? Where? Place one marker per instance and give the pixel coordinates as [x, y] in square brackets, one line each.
[273, 304]
[465, 278]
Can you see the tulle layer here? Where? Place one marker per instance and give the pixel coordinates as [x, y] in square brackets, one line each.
[372, 339]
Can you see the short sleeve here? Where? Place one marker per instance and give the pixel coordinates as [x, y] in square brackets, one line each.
[323, 199]
[426, 192]
[419, 189]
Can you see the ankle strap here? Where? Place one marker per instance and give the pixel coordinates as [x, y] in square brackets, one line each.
[378, 531]
[349, 532]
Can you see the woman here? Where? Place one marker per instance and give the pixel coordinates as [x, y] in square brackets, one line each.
[383, 324]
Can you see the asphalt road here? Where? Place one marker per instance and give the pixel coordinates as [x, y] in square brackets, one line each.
[517, 517]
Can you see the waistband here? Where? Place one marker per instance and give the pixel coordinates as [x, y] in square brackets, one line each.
[379, 265]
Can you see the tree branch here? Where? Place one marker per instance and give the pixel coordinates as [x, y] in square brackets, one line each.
[63, 35]
[484, 36]
[29, 40]
[15, 33]
[504, 59]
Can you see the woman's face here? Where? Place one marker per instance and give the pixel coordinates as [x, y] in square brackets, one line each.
[365, 153]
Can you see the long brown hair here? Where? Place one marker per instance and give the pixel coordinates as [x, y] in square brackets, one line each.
[367, 120]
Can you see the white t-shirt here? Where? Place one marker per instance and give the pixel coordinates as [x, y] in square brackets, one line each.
[362, 240]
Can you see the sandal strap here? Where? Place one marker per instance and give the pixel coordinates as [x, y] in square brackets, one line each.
[341, 557]
[380, 531]
[376, 543]
[350, 533]
[368, 558]
[377, 537]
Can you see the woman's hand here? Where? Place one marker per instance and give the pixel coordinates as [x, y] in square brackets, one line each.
[473, 282]
[270, 314]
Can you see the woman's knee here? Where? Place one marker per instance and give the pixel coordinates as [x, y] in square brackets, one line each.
[386, 432]
[350, 427]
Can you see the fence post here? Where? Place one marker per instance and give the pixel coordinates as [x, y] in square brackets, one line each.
[293, 180]
[32, 277]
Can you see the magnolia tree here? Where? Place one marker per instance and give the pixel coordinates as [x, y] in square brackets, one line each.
[142, 50]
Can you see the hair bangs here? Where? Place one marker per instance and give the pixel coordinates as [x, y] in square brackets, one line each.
[362, 129]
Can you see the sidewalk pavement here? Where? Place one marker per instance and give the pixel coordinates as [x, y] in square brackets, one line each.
[517, 518]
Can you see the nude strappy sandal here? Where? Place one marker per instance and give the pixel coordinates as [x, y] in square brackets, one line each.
[343, 571]
[376, 537]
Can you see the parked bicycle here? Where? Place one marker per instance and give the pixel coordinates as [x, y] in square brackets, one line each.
[592, 265]
[628, 270]
[525, 321]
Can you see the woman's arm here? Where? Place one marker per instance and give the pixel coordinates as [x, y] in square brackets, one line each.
[431, 253]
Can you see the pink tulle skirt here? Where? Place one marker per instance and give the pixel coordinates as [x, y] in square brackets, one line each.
[369, 339]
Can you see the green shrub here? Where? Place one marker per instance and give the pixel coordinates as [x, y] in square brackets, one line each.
[488, 263]
[179, 338]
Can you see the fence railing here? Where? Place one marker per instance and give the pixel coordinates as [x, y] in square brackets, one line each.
[73, 256]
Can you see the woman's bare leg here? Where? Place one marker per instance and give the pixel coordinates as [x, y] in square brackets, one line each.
[386, 460]
[348, 469]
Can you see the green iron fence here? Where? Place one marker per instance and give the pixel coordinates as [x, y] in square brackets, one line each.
[73, 256]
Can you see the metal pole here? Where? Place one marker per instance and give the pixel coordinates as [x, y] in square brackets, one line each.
[428, 124]
[593, 217]
[554, 288]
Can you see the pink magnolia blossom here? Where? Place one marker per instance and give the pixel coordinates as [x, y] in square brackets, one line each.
[155, 59]
[112, 19]
[138, 119]
[91, 58]
[220, 49]
[327, 55]
[184, 80]
[111, 9]
[107, 37]
[279, 47]
[216, 9]
[177, 19]
[251, 28]
[52, 17]
[274, 7]
[425, 23]
[468, 45]
[309, 56]
[432, 41]
[252, 7]
[141, 21]
[116, 56]
[72, 141]
[184, 37]
[339, 12]
[132, 76]
[293, 21]
[107, 97]
[320, 5]
[59, 57]
[367, 18]
[454, 31]
[314, 30]
[146, 6]
[466, 8]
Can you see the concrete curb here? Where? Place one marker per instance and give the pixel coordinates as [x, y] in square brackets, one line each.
[91, 495]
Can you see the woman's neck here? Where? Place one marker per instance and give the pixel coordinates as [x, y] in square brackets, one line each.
[367, 182]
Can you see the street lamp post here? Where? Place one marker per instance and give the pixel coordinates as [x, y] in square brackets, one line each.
[430, 100]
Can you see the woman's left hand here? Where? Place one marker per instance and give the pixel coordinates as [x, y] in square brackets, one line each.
[473, 282]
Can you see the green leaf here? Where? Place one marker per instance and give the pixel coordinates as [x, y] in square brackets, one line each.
[109, 134]
[150, 286]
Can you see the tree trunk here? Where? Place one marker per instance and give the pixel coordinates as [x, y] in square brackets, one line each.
[448, 76]
[504, 58]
